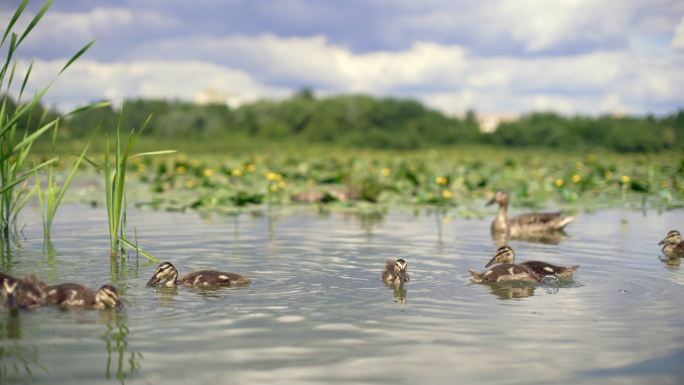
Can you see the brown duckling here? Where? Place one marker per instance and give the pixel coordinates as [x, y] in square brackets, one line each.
[73, 295]
[505, 272]
[506, 255]
[525, 224]
[167, 275]
[395, 272]
[673, 246]
[24, 293]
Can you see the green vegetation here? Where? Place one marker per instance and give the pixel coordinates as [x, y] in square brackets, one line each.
[458, 178]
[115, 186]
[355, 121]
[51, 196]
[18, 127]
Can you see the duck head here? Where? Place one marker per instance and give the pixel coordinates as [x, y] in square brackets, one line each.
[108, 297]
[672, 238]
[401, 270]
[500, 197]
[504, 254]
[9, 288]
[166, 274]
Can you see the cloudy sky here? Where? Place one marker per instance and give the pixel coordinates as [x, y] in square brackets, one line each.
[497, 56]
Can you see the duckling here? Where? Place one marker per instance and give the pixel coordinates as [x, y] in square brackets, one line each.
[23, 293]
[525, 224]
[73, 295]
[9, 288]
[506, 255]
[673, 244]
[505, 272]
[395, 272]
[167, 275]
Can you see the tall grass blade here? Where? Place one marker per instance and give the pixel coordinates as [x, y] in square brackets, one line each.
[139, 250]
[23, 177]
[77, 55]
[14, 19]
[35, 20]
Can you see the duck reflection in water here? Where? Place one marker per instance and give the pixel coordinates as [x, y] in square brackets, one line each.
[511, 290]
[549, 238]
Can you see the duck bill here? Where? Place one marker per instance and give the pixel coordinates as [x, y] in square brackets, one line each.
[153, 281]
[118, 305]
[403, 276]
[491, 201]
[662, 242]
[491, 261]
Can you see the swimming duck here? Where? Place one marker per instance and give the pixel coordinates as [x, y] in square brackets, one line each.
[167, 275]
[395, 272]
[73, 295]
[506, 255]
[505, 272]
[673, 244]
[24, 293]
[525, 224]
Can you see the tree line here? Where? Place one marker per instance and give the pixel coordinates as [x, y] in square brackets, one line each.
[365, 121]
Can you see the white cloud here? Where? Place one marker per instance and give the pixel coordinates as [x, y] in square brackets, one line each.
[87, 81]
[678, 38]
[448, 77]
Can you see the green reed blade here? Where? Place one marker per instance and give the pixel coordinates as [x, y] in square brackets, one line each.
[14, 19]
[89, 107]
[28, 140]
[139, 250]
[77, 55]
[26, 175]
[35, 20]
[26, 78]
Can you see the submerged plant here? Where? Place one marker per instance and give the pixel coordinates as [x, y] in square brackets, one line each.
[16, 139]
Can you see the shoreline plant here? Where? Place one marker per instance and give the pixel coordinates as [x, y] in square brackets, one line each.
[16, 140]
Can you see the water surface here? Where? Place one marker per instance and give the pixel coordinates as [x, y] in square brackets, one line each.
[317, 311]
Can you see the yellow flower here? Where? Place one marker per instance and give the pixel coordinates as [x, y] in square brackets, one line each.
[447, 194]
[236, 172]
[141, 167]
[190, 183]
[576, 178]
[578, 165]
[273, 176]
[282, 184]
[608, 175]
[385, 172]
[559, 182]
[440, 180]
[208, 172]
[180, 170]
[274, 188]
[625, 179]
[250, 167]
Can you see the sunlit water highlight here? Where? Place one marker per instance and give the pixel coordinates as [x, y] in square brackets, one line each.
[317, 311]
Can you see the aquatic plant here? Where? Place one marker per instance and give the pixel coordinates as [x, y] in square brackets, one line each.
[50, 197]
[16, 138]
[115, 183]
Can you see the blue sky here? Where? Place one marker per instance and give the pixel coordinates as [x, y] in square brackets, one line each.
[496, 57]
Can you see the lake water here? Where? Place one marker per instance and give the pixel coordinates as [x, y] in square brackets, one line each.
[317, 311]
